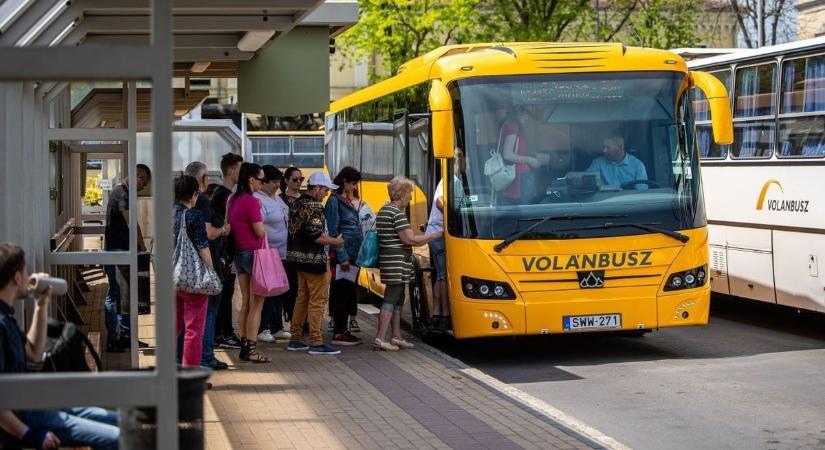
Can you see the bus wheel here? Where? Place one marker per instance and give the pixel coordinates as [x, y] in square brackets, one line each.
[419, 306]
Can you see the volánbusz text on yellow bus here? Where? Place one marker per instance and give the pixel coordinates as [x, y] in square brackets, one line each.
[595, 219]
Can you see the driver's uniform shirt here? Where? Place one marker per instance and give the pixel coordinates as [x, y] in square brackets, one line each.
[629, 169]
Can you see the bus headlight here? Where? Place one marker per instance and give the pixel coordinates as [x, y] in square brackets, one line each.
[687, 279]
[486, 289]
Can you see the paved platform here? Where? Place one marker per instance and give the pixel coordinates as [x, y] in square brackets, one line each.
[413, 399]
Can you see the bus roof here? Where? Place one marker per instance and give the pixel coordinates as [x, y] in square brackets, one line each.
[474, 60]
[761, 52]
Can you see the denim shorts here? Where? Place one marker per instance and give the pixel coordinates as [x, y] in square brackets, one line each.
[243, 261]
[437, 258]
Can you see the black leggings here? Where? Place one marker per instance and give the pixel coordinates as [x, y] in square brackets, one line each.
[342, 302]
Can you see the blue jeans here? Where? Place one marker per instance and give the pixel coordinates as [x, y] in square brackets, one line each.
[76, 427]
[117, 324]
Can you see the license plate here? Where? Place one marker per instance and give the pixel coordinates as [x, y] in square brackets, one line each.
[592, 322]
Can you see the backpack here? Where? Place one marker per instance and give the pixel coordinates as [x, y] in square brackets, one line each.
[65, 349]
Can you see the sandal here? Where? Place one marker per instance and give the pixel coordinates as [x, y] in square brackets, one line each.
[252, 354]
[402, 343]
[380, 345]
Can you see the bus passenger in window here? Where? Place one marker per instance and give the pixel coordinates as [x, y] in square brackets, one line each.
[513, 147]
[616, 166]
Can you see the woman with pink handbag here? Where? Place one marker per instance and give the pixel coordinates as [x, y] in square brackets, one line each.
[275, 213]
[243, 213]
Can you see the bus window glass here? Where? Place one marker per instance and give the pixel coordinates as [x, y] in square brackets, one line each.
[708, 149]
[755, 91]
[608, 144]
[803, 85]
[802, 137]
[753, 139]
[700, 103]
[308, 151]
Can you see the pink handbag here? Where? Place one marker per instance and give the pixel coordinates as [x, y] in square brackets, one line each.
[268, 274]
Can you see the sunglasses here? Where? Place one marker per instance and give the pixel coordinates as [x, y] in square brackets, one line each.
[296, 179]
[262, 180]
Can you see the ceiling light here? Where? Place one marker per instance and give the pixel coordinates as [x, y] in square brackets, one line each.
[200, 66]
[252, 41]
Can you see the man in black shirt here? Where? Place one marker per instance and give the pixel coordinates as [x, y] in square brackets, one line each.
[117, 239]
[225, 335]
[215, 229]
[73, 427]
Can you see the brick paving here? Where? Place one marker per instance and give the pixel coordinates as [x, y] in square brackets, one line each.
[411, 399]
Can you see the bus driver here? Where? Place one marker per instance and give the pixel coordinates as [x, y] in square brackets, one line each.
[616, 166]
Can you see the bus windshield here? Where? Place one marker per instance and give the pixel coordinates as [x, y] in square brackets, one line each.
[579, 145]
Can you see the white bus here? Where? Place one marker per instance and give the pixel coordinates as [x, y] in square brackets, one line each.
[765, 193]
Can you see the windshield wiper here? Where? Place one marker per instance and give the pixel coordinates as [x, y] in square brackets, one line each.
[542, 220]
[642, 226]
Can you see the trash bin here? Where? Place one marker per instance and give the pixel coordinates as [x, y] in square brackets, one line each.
[144, 258]
[138, 426]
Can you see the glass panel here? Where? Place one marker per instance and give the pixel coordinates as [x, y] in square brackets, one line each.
[204, 146]
[803, 85]
[753, 139]
[707, 148]
[802, 137]
[607, 144]
[755, 91]
[400, 145]
[280, 161]
[377, 154]
[308, 145]
[700, 102]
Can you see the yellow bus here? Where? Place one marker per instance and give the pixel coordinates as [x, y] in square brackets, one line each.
[579, 205]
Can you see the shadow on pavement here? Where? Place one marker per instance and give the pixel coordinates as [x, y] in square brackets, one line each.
[737, 328]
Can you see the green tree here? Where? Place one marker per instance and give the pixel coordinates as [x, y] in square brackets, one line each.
[400, 30]
[663, 24]
[532, 20]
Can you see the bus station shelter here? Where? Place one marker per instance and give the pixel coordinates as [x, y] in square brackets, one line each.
[278, 51]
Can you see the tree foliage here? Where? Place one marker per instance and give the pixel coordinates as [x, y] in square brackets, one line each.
[400, 30]
[777, 21]
[663, 24]
[531, 20]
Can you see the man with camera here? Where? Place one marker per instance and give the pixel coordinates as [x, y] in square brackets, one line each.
[46, 429]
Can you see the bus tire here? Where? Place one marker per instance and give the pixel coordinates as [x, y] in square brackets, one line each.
[419, 306]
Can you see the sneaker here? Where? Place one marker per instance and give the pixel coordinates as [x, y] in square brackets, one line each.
[378, 344]
[401, 343]
[353, 326]
[266, 336]
[323, 349]
[215, 364]
[282, 335]
[345, 339]
[297, 346]
[331, 325]
[435, 322]
[229, 342]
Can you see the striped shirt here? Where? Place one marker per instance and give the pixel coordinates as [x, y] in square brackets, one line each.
[394, 258]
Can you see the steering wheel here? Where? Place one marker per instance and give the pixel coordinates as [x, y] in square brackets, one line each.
[632, 184]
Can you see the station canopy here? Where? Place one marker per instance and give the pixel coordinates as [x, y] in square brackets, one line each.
[211, 39]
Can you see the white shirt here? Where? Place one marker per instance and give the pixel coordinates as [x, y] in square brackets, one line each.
[276, 214]
[436, 222]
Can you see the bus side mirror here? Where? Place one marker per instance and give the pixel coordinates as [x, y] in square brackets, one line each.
[718, 103]
[441, 106]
